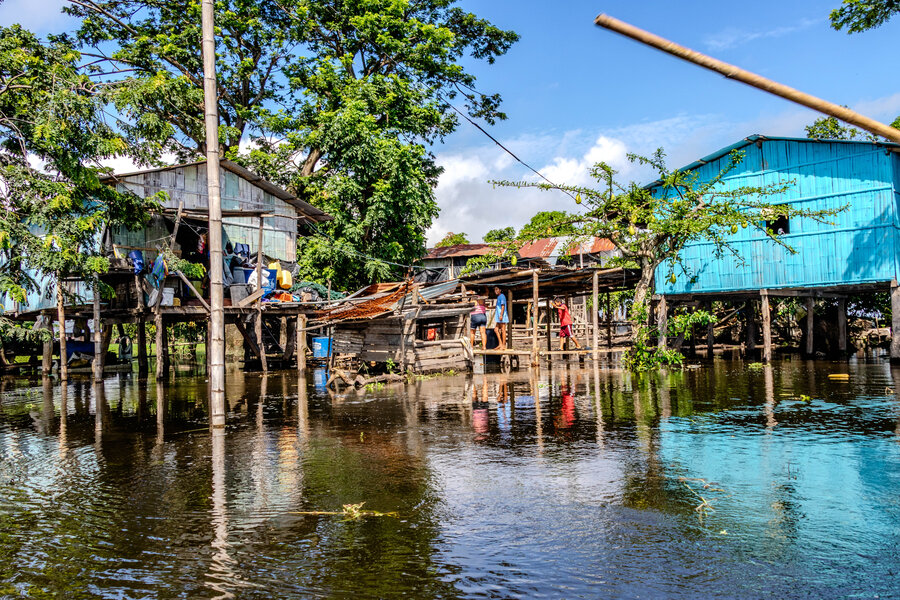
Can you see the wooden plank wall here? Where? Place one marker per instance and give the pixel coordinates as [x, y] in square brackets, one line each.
[860, 247]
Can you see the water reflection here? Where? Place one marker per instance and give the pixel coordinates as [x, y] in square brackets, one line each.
[564, 482]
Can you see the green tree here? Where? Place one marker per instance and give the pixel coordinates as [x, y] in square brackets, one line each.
[651, 227]
[504, 234]
[52, 133]
[829, 128]
[338, 100]
[861, 15]
[549, 223]
[452, 239]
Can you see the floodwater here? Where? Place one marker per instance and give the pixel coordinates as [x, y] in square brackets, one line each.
[724, 481]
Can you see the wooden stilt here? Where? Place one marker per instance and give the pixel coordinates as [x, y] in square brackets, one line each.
[97, 363]
[810, 325]
[47, 357]
[301, 343]
[61, 319]
[259, 336]
[609, 317]
[509, 313]
[166, 358]
[749, 312]
[260, 342]
[142, 346]
[595, 313]
[549, 323]
[160, 336]
[710, 332]
[842, 324]
[895, 322]
[105, 339]
[662, 322]
[766, 326]
[534, 320]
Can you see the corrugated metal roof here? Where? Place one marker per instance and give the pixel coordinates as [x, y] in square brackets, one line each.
[542, 248]
[460, 250]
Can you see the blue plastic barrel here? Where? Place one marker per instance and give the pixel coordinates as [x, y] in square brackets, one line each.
[321, 347]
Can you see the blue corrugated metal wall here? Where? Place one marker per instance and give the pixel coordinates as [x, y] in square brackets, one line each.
[861, 246]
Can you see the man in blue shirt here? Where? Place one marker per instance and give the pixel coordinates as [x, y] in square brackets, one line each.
[501, 317]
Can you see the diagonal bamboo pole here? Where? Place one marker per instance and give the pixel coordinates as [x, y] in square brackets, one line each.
[752, 79]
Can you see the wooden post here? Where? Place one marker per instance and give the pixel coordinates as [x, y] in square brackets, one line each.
[810, 325]
[259, 335]
[160, 337]
[509, 315]
[290, 339]
[662, 322]
[549, 320]
[301, 343]
[766, 325]
[216, 264]
[534, 320]
[609, 316]
[105, 339]
[142, 346]
[568, 301]
[749, 313]
[710, 333]
[895, 322]
[842, 324]
[47, 358]
[97, 363]
[595, 306]
[61, 318]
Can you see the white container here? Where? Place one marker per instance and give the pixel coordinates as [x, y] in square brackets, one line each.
[168, 298]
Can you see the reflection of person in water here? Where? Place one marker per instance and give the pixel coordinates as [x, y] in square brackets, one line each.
[566, 417]
[480, 415]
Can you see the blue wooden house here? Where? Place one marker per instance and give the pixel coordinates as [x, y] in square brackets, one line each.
[859, 252]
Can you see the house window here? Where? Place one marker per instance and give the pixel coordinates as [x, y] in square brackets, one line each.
[430, 331]
[780, 226]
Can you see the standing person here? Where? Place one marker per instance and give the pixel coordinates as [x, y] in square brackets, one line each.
[501, 317]
[478, 320]
[565, 323]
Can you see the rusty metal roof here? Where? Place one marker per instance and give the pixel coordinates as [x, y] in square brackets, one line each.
[542, 248]
[460, 250]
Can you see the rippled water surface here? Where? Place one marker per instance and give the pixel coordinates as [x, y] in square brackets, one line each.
[722, 481]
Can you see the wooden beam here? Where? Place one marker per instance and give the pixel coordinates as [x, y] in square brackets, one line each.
[509, 315]
[710, 331]
[549, 320]
[609, 316]
[290, 339]
[61, 319]
[142, 346]
[595, 309]
[750, 314]
[251, 340]
[193, 290]
[766, 325]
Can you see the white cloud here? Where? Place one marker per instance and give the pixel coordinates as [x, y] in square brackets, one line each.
[731, 37]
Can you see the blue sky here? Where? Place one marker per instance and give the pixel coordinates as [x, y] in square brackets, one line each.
[576, 93]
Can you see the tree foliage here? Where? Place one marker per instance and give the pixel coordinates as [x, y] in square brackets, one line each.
[548, 223]
[52, 133]
[829, 128]
[504, 234]
[861, 15]
[651, 225]
[452, 239]
[337, 100]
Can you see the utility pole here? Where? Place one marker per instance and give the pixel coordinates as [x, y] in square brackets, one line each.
[216, 348]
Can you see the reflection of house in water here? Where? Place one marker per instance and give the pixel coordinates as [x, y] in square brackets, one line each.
[858, 253]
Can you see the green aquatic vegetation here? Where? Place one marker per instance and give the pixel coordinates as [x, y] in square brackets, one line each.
[755, 366]
[705, 492]
[350, 512]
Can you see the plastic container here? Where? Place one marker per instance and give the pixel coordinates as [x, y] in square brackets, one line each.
[321, 347]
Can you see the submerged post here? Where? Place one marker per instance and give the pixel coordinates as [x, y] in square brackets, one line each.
[216, 267]
[767, 326]
[301, 343]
